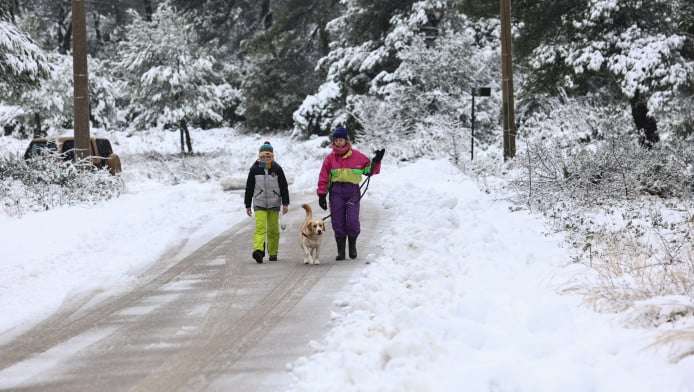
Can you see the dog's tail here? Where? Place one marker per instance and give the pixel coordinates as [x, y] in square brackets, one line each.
[309, 212]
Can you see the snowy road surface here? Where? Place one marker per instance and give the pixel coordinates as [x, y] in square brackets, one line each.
[207, 321]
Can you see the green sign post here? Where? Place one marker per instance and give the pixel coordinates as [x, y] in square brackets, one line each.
[479, 92]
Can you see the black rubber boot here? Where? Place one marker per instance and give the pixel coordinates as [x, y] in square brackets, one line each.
[352, 247]
[340, 248]
[258, 256]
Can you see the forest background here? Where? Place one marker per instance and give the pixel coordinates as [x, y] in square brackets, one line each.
[603, 104]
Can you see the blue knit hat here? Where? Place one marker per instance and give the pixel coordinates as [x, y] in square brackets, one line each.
[266, 149]
[340, 133]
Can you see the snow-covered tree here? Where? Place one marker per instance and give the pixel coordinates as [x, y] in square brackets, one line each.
[169, 79]
[437, 77]
[103, 109]
[429, 96]
[281, 62]
[51, 105]
[49, 22]
[365, 41]
[23, 67]
[22, 62]
[637, 51]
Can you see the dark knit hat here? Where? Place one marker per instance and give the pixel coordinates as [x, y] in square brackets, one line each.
[340, 133]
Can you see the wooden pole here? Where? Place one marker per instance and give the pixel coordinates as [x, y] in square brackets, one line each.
[507, 81]
[80, 79]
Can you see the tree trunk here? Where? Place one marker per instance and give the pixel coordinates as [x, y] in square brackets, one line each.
[183, 150]
[38, 132]
[645, 124]
[97, 27]
[189, 143]
[15, 7]
[64, 32]
[148, 10]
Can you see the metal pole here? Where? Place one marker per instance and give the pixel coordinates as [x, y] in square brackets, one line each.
[472, 133]
[507, 80]
[80, 76]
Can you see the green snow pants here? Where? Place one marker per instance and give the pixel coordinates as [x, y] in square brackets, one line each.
[267, 226]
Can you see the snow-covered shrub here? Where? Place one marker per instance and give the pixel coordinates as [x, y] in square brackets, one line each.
[639, 251]
[46, 182]
[612, 170]
[382, 127]
[172, 168]
[626, 210]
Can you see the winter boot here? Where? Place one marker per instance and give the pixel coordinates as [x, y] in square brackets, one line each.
[340, 248]
[258, 256]
[352, 247]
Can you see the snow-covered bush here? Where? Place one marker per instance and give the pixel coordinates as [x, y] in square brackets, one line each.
[586, 149]
[627, 211]
[430, 138]
[46, 182]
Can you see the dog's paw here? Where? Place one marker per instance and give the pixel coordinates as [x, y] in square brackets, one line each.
[306, 261]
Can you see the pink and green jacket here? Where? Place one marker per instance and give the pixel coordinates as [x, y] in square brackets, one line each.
[348, 167]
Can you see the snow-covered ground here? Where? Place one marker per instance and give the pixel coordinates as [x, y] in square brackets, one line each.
[465, 295]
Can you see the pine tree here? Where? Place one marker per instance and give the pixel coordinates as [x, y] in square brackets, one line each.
[634, 51]
[281, 62]
[22, 62]
[23, 67]
[169, 80]
[365, 42]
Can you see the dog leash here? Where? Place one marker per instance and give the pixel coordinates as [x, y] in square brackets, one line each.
[365, 183]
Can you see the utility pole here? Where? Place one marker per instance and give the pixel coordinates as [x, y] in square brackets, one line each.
[507, 80]
[80, 79]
